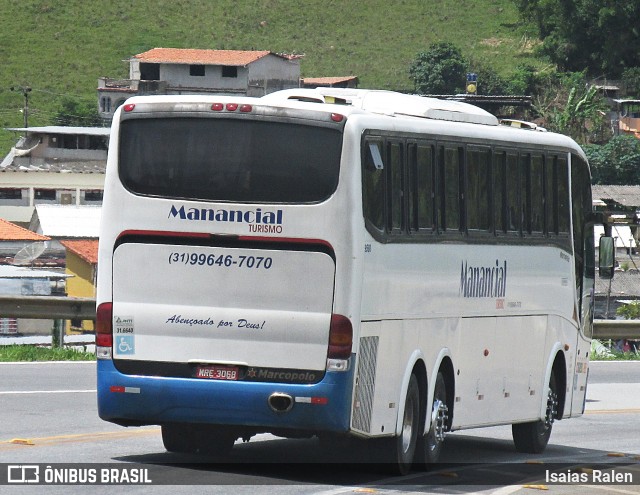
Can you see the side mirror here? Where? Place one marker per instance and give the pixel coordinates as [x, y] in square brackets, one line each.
[607, 257]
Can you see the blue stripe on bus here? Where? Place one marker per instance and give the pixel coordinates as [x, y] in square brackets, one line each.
[160, 400]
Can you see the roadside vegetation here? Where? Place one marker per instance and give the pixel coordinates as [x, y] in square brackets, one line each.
[615, 356]
[10, 353]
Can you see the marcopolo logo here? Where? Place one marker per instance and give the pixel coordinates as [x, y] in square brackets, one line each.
[258, 220]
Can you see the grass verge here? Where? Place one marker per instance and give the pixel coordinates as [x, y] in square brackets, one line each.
[616, 356]
[34, 353]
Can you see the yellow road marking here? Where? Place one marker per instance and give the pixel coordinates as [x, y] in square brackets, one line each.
[613, 411]
[76, 437]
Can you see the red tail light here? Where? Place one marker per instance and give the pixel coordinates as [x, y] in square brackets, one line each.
[104, 325]
[340, 337]
[232, 107]
[129, 107]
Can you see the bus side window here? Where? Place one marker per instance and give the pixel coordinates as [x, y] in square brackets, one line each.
[449, 187]
[563, 195]
[551, 195]
[499, 191]
[420, 189]
[525, 191]
[395, 181]
[373, 185]
[537, 193]
[477, 189]
[514, 214]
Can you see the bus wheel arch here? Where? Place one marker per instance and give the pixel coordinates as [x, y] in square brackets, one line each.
[532, 437]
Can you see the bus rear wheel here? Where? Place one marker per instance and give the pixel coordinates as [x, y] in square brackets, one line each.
[188, 438]
[404, 445]
[533, 437]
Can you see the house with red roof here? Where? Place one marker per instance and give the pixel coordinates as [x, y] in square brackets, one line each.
[171, 71]
[15, 239]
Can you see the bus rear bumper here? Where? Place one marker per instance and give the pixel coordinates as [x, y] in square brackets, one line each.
[141, 400]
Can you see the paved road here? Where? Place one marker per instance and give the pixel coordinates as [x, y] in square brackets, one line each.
[48, 415]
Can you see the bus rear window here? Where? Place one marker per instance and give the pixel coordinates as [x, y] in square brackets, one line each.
[229, 160]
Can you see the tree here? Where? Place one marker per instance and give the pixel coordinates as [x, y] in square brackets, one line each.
[439, 70]
[615, 163]
[568, 106]
[74, 113]
[602, 36]
[523, 81]
[489, 82]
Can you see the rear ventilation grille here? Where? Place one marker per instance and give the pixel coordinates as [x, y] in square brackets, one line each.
[366, 384]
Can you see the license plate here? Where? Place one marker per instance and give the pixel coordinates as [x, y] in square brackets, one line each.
[218, 372]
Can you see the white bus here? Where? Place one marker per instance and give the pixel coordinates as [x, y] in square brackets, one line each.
[341, 263]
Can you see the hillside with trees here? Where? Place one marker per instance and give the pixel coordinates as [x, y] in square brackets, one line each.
[547, 49]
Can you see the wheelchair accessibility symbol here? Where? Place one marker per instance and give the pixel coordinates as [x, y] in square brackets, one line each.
[125, 344]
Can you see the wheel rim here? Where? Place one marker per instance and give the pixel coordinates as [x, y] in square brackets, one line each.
[438, 424]
[552, 409]
[407, 426]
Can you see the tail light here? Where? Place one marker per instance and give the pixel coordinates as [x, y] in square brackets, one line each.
[104, 330]
[340, 337]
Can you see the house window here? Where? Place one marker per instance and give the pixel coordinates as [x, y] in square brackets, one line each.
[93, 195]
[6, 193]
[45, 194]
[196, 70]
[229, 71]
[105, 104]
[149, 72]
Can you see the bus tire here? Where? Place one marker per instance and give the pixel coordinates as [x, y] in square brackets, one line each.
[404, 445]
[197, 439]
[434, 438]
[178, 438]
[533, 437]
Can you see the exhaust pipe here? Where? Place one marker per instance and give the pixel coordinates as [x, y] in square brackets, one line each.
[280, 403]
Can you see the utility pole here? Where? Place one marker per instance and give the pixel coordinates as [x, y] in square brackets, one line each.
[25, 90]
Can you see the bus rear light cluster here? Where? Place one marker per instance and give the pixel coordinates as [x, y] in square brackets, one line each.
[231, 107]
[129, 107]
[104, 331]
[340, 343]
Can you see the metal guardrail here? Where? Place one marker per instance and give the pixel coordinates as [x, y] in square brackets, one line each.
[616, 329]
[67, 308]
[48, 307]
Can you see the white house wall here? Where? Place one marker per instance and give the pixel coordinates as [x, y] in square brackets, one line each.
[272, 73]
[177, 76]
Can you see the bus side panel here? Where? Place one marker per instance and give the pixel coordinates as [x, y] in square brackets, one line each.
[385, 350]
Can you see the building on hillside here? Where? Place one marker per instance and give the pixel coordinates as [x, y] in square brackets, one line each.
[172, 71]
[627, 118]
[53, 165]
[82, 264]
[329, 82]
